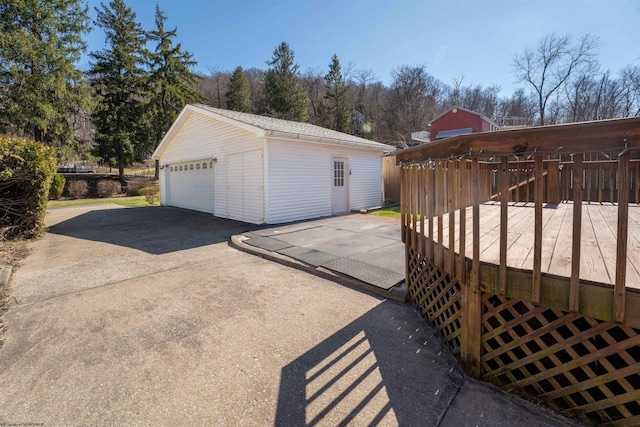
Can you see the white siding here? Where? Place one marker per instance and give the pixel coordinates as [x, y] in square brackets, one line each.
[299, 176]
[300, 179]
[202, 137]
[253, 186]
[234, 187]
[365, 181]
[221, 207]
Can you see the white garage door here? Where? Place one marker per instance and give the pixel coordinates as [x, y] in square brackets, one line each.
[190, 185]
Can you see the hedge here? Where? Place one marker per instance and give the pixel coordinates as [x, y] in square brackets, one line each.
[57, 186]
[26, 170]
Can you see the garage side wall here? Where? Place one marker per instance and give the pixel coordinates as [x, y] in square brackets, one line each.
[300, 179]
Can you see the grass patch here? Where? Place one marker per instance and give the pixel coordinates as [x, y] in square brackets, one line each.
[140, 171]
[390, 211]
[134, 201]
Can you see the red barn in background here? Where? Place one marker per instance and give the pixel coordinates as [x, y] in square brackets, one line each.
[458, 121]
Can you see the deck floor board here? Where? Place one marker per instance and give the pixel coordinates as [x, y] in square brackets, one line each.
[597, 248]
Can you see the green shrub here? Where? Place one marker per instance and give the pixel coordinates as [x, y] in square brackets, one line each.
[57, 186]
[136, 184]
[108, 188]
[151, 194]
[26, 170]
[77, 189]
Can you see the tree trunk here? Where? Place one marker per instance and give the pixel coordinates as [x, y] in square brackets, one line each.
[121, 174]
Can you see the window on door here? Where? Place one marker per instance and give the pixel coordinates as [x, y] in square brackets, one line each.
[338, 173]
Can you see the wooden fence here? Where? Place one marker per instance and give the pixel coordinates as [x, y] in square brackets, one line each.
[559, 339]
[391, 176]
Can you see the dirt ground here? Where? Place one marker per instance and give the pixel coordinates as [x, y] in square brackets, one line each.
[12, 252]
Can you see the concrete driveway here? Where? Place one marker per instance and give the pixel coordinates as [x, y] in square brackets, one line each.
[146, 316]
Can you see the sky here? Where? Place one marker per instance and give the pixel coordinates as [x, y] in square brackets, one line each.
[475, 40]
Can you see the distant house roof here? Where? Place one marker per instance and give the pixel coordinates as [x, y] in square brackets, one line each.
[468, 111]
[453, 132]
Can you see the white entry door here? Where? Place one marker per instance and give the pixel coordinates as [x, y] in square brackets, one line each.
[340, 202]
[245, 186]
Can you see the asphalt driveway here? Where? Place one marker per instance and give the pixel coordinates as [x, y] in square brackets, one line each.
[146, 316]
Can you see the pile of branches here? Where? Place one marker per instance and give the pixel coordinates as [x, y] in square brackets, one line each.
[16, 217]
[26, 170]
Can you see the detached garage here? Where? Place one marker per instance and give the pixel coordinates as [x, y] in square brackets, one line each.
[263, 170]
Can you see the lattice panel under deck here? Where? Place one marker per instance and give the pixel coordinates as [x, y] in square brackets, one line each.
[578, 366]
[437, 295]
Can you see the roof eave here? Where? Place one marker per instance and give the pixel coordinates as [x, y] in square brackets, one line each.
[325, 140]
[259, 132]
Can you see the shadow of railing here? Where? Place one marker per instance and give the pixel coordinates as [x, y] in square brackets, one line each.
[156, 229]
[385, 368]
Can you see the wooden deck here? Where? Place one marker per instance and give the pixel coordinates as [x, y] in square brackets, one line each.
[598, 246]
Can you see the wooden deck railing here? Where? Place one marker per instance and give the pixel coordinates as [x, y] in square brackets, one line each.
[444, 183]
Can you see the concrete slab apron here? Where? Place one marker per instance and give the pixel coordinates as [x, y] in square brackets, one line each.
[368, 251]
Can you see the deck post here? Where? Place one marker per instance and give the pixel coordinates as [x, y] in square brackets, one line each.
[452, 194]
[403, 208]
[578, 184]
[504, 205]
[431, 203]
[403, 224]
[471, 334]
[422, 201]
[440, 203]
[553, 182]
[537, 240]
[413, 205]
[621, 249]
[463, 191]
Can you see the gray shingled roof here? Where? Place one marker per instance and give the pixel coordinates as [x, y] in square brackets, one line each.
[292, 128]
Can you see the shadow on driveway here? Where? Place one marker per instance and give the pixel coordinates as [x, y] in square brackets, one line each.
[378, 370]
[150, 229]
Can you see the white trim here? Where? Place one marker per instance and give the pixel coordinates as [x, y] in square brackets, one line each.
[346, 171]
[265, 187]
[283, 136]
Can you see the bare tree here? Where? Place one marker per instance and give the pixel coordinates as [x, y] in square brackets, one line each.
[518, 110]
[414, 99]
[630, 77]
[551, 63]
[358, 83]
[214, 86]
[313, 83]
[483, 100]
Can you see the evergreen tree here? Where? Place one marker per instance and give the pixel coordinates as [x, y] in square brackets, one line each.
[40, 42]
[119, 81]
[285, 96]
[336, 109]
[239, 94]
[172, 83]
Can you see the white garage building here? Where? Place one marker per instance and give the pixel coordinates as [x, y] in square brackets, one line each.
[263, 170]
